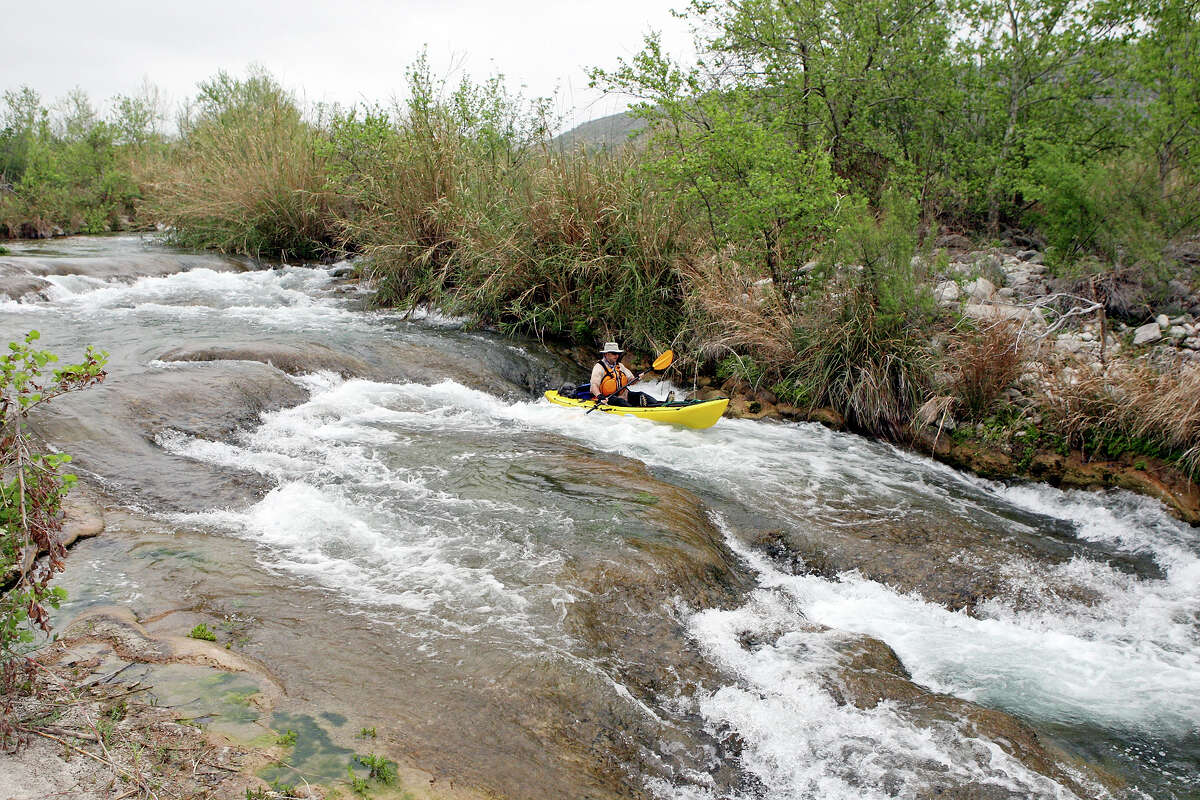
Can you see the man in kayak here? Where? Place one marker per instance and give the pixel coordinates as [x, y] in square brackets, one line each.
[611, 379]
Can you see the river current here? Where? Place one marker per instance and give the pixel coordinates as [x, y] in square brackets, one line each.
[539, 602]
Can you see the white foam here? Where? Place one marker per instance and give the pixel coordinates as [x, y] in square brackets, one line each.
[286, 298]
[800, 742]
[351, 514]
[1128, 661]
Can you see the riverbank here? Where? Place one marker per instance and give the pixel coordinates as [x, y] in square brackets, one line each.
[1005, 454]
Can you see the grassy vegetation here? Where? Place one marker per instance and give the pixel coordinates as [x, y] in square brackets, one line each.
[773, 223]
[246, 175]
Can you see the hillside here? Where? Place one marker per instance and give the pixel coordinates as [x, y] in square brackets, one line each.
[603, 133]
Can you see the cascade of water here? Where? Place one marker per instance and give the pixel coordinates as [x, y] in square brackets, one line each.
[452, 516]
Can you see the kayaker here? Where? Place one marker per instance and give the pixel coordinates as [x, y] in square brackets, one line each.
[610, 379]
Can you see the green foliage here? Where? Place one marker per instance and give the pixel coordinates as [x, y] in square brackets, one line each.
[862, 337]
[288, 737]
[359, 786]
[367, 733]
[69, 168]
[203, 633]
[378, 768]
[248, 177]
[459, 201]
[32, 488]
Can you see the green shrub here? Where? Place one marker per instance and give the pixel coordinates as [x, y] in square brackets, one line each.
[463, 204]
[32, 488]
[249, 176]
[203, 633]
[862, 337]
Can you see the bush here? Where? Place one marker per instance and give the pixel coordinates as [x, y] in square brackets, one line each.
[1109, 224]
[862, 336]
[983, 363]
[464, 203]
[248, 176]
[32, 488]
[67, 170]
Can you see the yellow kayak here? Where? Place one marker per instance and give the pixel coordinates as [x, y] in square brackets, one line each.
[689, 413]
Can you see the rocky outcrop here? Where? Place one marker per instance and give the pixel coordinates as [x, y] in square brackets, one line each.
[1142, 474]
[293, 359]
[872, 674]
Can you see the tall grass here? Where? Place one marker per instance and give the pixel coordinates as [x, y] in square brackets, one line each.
[982, 363]
[862, 335]
[248, 175]
[468, 205]
[1149, 407]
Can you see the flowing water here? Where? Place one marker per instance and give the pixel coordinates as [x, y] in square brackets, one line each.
[539, 602]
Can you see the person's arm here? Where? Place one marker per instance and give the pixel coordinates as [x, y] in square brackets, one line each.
[597, 376]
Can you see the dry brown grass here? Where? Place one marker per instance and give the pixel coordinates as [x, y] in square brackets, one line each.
[733, 313]
[255, 186]
[983, 363]
[1156, 403]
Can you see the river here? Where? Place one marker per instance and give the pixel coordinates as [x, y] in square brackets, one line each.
[535, 602]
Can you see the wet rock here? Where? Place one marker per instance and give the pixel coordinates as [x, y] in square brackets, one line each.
[869, 673]
[988, 462]
[298, 359]
[669, 551]
[114, 430]
[957, 568]
[22, 287]
[828, 417]
[742, 407]
[82, 516]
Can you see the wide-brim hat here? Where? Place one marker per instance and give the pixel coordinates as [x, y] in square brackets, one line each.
[611, 347]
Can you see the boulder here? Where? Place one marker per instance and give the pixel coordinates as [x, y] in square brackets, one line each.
[993, 312]
[953, 241]
[1177, 332]
[1146, 334]
[947, 292]
[981, 289]
[1163, 321]
[1068, 343]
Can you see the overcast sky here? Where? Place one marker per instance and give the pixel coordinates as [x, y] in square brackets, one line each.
[346, 51]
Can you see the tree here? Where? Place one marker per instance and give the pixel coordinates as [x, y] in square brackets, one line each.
[792, 105]
[1039, 72]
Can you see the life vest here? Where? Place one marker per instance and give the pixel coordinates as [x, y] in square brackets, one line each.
[614, 379]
